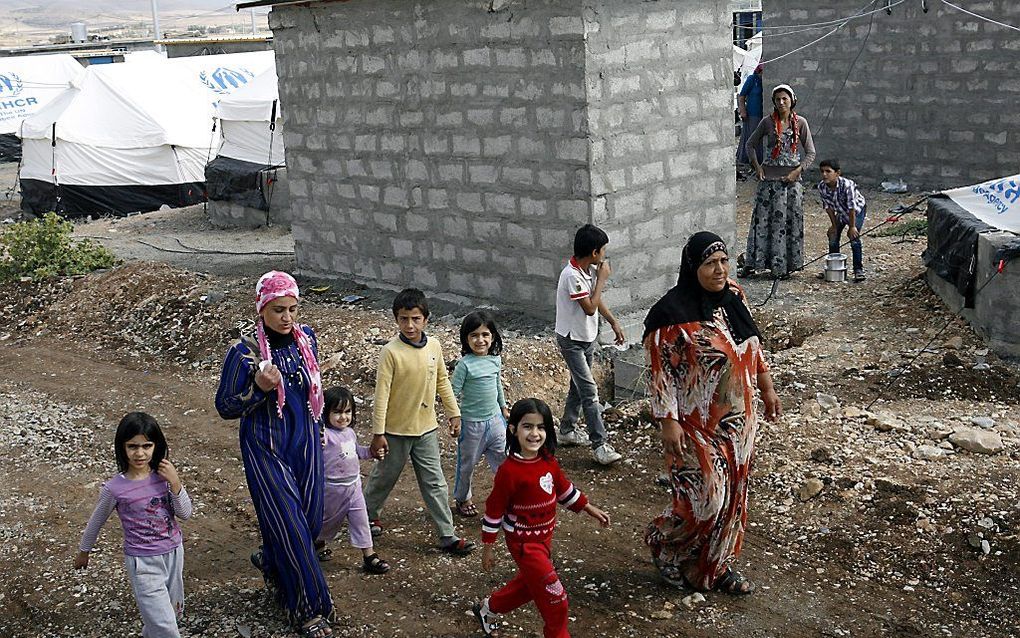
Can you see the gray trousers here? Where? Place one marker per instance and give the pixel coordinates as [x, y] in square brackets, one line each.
[477, 439]
[424, 454]
[158, 584]
[583, 393]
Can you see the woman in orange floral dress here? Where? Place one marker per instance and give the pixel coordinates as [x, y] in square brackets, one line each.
[707, 368]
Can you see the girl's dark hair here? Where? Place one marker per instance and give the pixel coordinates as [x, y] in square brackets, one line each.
[338, 397]
[517, 412]
[831, 163]
[133, 424]
[473, 322]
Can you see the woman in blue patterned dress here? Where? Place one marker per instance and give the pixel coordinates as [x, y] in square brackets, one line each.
[271, 382]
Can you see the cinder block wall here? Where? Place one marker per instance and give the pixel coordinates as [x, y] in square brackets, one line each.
[456, 146]
[932, 98]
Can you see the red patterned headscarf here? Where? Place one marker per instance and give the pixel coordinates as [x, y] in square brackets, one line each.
[273, 285]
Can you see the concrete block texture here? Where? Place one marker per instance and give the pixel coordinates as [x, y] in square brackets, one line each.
[495, 134]
[924, 84]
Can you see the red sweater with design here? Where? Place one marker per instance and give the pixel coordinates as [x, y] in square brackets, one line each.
[523, 499]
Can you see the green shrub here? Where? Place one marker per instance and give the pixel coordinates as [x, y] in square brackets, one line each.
[43, 248]
[917, 227]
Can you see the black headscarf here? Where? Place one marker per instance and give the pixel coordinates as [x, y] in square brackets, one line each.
[688, 301]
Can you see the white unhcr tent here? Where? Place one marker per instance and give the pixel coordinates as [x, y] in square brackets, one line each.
[223, 74]
[131, 138]
[27, 84]
[245, 169]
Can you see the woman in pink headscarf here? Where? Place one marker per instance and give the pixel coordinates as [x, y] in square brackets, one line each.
[271, 382]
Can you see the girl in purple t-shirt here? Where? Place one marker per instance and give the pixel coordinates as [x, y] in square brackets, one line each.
[343, 499]
[148, 497]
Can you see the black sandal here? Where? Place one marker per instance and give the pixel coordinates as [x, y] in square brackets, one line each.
[734, 583]
[324, 555]
[317, 629]
[459, 547]
[375, 565]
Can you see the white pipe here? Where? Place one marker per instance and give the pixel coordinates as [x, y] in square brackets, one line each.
[254, 31]
[156, 33]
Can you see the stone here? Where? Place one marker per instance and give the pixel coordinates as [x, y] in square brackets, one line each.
[810, 489]
[974, 540]
[986, 547]
[821, 455]
[827, 401]
[978, 441]
[662, 614]
[884, 421]
[955, 343]
[811, 409]
[690, 601]
[852, 412]
[927, 453]
[952, 360]
[983, 422]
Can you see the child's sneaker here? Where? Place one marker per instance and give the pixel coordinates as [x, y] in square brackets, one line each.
[487, 619]
[606, 455]
[375, 527]
[575, 437]
[859, 275]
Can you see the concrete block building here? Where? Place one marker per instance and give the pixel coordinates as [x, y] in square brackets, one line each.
[456, 145]
[931, 99]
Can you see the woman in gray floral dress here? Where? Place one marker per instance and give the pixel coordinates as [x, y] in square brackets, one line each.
[775, 240]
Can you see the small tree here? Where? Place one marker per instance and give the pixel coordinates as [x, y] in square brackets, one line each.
[44, 248]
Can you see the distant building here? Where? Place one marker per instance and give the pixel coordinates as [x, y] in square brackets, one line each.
[206, 45]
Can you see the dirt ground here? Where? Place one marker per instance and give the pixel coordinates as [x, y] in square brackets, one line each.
[863, 522]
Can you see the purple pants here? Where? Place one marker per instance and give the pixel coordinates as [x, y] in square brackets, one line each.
[345, 502]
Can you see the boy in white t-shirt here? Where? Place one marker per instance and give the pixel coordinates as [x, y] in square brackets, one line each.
[578, 298]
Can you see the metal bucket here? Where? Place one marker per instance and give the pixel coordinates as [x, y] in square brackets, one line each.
[835, 267]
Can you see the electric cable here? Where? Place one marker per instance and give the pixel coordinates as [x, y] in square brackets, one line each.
[978, 15]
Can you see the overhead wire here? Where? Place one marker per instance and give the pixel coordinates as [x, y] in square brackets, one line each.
[978, 15]
[846, 78]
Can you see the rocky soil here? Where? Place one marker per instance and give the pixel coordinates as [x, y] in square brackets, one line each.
[883, 504]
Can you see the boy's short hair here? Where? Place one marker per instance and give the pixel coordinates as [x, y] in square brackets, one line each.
[831, 163]
[588, 239]
[409, 299]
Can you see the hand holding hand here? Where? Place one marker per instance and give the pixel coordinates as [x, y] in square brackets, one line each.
[81, 560]
[488, 557]
[599, 515]
[380, 447]
[169, 474]
[455, 426]
[673, 440]
[268, 377]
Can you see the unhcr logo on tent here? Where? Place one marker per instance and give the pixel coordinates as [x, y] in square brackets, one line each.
[10, 85]
[224, 80]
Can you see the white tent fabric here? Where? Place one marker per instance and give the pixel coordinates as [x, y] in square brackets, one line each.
[995, 202]
[224, 74]
[246, 115]
[145, 123]
[28, 83]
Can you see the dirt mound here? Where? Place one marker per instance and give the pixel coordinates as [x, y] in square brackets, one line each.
[143, 309]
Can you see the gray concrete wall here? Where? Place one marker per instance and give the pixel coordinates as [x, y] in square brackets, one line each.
[932, 98]
[996, 312]
[456, 148]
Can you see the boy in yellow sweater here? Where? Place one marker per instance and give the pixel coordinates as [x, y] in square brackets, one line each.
[411, 372]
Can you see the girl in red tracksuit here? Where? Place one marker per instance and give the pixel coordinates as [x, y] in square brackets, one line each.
[523, 501]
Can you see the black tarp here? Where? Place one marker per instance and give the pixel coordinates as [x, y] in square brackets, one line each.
[40, 197]
[10, 147]
[952, 244]
[244, 183]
